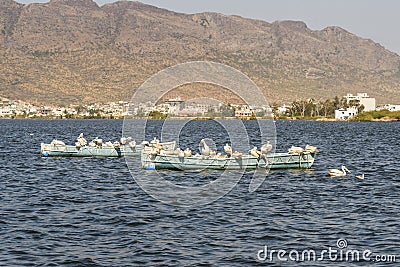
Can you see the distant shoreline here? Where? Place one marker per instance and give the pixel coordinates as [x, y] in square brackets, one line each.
[215, 118]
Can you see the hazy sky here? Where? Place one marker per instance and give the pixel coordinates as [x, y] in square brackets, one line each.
[378, 20]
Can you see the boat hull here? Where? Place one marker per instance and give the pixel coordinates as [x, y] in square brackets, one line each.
[196, 163]
[86, 151]
[290, 161]
[49, 150]
[275, 161]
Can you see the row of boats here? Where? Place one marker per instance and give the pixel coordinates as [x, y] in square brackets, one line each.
[165, 155]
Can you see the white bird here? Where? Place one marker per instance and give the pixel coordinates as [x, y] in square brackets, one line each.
[311, 149]
[338, 173]
[154, 141]
[361, 177]
[132, 144]
[187, 152]
[296, 150]
[254, 152]
[266, 148]
[205, 149]
[82, 141]
[228, 149]
[123, 140]
[116, 144]
[213, 153]
[145, 143]
[98, 141]
[57, 143]
[180, 153]
[237, 155]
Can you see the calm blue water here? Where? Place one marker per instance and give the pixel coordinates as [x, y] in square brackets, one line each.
[91, 212]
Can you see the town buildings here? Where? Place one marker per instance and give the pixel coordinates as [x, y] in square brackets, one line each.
[345, 114]
[369, 103]
[355, 101]
[389, 107]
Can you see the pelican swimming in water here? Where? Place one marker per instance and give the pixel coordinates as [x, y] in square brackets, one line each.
[361, 177]
[338, 173]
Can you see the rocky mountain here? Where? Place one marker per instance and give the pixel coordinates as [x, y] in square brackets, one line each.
[73, 51]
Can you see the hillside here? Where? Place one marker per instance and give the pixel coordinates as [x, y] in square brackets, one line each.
[73, 51]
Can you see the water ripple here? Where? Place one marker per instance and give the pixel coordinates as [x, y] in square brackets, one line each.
[90, 212]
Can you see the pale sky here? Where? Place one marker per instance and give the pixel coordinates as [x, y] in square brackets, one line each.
[378, 20]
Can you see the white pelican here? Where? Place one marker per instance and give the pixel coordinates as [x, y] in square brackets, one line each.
[181, 154]
[154, 141]
[311, 149]
[116, 144]
[205, 149]
[187, 152]
[361, 177]
[254, 152]
[338, 173]
[123, 140]
[228, 149]
[145, 143]
[98, 141]
[295, 150]
[82, 141]
[266, 148]
[132, 144]
[57, 143]
[237, 155]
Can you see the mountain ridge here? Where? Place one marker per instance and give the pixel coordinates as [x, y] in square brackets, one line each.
[64, 52]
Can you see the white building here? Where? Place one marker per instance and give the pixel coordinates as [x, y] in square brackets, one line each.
[369, 103]
[175, 105]
[389, 107]
[5, 112]
[244, 112]
[282, 110]
[343, 114]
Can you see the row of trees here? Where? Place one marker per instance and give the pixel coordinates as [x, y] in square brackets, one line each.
[301, 108]
[322, 108]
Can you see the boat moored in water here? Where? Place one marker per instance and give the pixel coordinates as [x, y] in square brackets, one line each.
[125, 148]
[294, 159]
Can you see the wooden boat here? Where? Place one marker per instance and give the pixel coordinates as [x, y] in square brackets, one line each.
[59, 149]
[302, 160]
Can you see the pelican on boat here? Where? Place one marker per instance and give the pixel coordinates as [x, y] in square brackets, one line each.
[96, 148]
[174, 160]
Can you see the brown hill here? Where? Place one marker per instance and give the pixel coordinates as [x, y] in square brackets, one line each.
[75, 51]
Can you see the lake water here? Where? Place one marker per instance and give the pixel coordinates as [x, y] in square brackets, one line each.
[91, 212]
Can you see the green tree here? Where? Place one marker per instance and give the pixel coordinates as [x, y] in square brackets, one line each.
[360, 108]
[157, 115]
[328, 108]
[140, 113]
[336, 103]
[227, 111]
